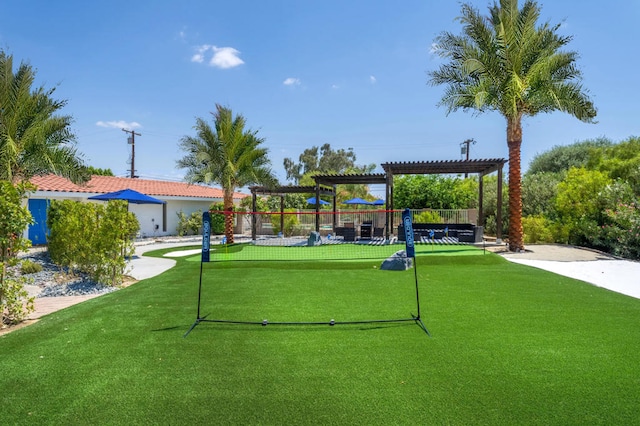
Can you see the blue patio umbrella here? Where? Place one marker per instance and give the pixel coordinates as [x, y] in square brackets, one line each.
[357, 201]
[128, 195]
[312, 200]
[377, 202]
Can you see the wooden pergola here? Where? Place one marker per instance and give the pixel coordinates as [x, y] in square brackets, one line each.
[326, 185]
[479, 167]
[331, 180]
[281, 191]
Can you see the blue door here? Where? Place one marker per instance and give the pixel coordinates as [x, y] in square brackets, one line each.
[38, 231]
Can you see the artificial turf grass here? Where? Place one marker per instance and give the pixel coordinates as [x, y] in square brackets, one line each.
[510, 344]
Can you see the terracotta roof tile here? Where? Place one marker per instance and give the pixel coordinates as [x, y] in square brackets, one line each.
[104, 184]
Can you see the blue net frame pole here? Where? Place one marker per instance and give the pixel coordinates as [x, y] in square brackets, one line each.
[411, 252]
[206, 240]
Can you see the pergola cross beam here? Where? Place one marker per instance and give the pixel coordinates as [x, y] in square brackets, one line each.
[480, 167]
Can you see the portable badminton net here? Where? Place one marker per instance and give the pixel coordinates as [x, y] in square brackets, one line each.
[353, 240]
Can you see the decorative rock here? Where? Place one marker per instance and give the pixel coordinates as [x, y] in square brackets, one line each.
[397, 262]
[314, 239]
[53, 281]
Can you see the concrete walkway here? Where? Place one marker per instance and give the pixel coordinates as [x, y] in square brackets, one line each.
[600, 269]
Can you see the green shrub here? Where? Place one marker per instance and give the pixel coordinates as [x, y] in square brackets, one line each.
[560, 232]
[28, 267]
[290, 222]
[428, 216]
[622, 234]
[189, 225]
[537, 230]
[217, 219]
[15, 303]
[491, 227]
[92, 238]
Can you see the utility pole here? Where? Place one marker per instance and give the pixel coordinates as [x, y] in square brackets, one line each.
[464, 149]
[132, 141]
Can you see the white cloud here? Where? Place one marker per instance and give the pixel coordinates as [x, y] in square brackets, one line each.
[291, 81]
[225, 57]
[335, 86]
[199, 55]
[372, 79]
[121, 124]
[222, 57]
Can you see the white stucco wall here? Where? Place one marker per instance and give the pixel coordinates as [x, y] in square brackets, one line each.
[187, 206]
[149, 215]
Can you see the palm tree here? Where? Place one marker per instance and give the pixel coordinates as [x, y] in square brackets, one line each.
[505, 62]
[34, 140]
[227, 155]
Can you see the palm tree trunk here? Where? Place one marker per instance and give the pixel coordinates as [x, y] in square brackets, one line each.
[514, 142]
[228, 216]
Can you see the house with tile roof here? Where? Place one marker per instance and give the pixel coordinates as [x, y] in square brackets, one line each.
[155, 220]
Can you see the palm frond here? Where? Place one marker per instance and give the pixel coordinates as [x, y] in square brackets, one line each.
[226, 153]
[508, 63]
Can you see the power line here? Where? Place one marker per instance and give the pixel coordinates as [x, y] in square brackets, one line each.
[132, 141]
[464, 149]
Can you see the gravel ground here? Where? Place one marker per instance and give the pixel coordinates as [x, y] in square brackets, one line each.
[53, 281]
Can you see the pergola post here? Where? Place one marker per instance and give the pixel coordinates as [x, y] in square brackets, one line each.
[389, 203]
[317, 207]
[480, 220]
[282, 214]
[254, 207]
[335, 216]
[499, 208]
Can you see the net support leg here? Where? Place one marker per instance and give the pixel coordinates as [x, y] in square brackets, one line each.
[418, 318]
[198, 319]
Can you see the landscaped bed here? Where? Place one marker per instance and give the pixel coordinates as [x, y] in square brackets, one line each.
[509, 344]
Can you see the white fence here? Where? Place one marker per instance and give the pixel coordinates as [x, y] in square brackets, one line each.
[305, 220]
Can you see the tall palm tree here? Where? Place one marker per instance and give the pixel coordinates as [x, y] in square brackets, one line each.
[227, 155]
[34, 139]
[508, 63]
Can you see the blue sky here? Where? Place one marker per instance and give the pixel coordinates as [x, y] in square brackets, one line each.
[303, 73]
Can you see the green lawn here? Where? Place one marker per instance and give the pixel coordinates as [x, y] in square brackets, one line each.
[510, 345]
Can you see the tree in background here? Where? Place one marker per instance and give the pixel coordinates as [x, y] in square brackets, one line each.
[226, 154]
[323, 160]
[508, 63]
[435, 192]
[619, 161]
[34, 139]
[539, 191]
[490, 205]
[593, 205]
[562, 157]
[96, 171]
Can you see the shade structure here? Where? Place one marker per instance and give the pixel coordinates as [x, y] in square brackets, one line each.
[377, 202]
[128, 195]
[357, 201]
[312, 200]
